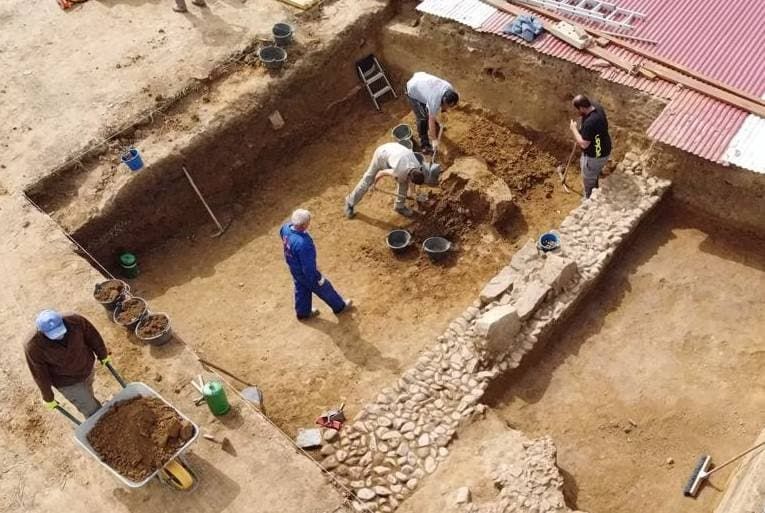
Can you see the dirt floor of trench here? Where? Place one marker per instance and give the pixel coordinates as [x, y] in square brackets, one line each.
[231, 297]
[663, 363]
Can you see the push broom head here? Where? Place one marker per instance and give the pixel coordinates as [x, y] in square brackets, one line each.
[700, 473]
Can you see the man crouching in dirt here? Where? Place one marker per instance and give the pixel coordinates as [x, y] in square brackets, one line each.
[61, 354]
[593, 138]
[394, 160]
[428, 95]
[300, 255]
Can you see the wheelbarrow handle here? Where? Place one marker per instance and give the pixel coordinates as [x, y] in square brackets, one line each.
[116, 375]
[68, 415]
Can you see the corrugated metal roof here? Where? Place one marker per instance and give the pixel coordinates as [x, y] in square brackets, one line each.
[747, 148]
[690, 32]
[472, 13]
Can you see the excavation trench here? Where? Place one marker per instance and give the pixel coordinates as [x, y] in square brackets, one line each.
[231, 297]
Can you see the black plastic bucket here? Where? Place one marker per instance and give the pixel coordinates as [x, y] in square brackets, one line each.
[399, 240]
[436, 247]
[272, 57]
[158, 339]
[282, 34]
[122, 288]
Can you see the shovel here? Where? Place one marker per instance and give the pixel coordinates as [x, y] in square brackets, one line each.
[563, 170]
[63, 411]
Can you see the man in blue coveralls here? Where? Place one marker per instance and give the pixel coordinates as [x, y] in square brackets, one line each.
[300, 254]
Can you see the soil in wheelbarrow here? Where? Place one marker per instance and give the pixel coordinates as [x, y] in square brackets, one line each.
[153, 325]
[108, 291]
[138, 436]
[130, 311]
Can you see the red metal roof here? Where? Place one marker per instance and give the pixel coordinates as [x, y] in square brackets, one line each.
[722, 39]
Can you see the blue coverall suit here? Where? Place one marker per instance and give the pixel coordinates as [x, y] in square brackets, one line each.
[300, 254]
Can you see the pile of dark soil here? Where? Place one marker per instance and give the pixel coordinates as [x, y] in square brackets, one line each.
[131, 310]
[138, 436]
[108, 291]
[153, 325]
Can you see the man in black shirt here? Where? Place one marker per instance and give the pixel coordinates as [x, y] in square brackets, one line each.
[594, 140]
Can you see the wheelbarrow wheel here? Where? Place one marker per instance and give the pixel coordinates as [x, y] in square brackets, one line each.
[177, 475]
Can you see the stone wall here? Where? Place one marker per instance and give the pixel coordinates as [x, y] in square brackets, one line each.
[401, 437]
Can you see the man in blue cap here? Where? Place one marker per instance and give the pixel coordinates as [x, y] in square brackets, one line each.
[300, 254]
[62, 354]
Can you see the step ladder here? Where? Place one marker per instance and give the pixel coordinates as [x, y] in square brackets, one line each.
[373, 77]
[593, 10]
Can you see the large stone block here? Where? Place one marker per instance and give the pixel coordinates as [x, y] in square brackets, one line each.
[557, 272]
[525, 257]
[501, 283]
[499, 326]
[530, 298]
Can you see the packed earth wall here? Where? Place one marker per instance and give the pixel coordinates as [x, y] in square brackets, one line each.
[236, 146]
[522, 86]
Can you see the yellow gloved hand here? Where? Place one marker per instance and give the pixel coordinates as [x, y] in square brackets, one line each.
[106, 360]
[51, 405]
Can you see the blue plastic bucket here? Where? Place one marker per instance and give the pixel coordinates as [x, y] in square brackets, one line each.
[132, 159]
[548, 241]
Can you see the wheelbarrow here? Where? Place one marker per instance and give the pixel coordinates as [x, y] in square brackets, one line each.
[176, 472]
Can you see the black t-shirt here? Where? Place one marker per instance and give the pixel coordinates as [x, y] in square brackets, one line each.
[595, 129]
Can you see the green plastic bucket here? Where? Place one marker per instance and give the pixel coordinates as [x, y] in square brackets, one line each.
[129, 265]
[216, 399]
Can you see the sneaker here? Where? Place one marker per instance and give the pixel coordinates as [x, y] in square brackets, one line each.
[314, 312]
[405, 211]
[349, 213]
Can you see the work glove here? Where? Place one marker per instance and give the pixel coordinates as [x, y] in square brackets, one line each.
[106, 360]
[51, 405]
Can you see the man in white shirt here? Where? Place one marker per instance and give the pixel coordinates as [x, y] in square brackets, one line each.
[394, 160]
[428, 95]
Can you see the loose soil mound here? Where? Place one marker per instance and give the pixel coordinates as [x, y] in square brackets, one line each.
[138, 436]
[108, 291]
[131, 310]
[509, 155]
[153, 325]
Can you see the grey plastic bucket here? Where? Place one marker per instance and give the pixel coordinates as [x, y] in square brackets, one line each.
[132, 324]
[282, 34]
[155, 340]
[272, 57]
[110, 304]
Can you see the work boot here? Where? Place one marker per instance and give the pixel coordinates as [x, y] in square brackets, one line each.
[349, 213]
[405, 211]
[348, 306]
[180, 6]
[314, 313]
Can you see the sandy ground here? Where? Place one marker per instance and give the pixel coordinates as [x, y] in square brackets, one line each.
[41, 467]
[234, 293]
[664, 361]
[73, 76]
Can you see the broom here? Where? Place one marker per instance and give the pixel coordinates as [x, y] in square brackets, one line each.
[701, 472]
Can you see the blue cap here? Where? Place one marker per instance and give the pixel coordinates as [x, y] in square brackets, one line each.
[51, 324]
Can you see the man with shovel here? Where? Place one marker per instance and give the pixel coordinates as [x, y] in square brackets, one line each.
[61, 354]
[428, 95]
[394, 160]
[594, 140]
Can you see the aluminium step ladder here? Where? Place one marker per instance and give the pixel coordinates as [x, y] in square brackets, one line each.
[592, 10]
[373, 77]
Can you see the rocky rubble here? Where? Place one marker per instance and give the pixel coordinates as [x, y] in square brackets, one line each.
[401, 437]
[525, 473]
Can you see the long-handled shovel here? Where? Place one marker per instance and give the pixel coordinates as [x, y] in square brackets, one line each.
[221, 228]
[563, 170]
[74, 419]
